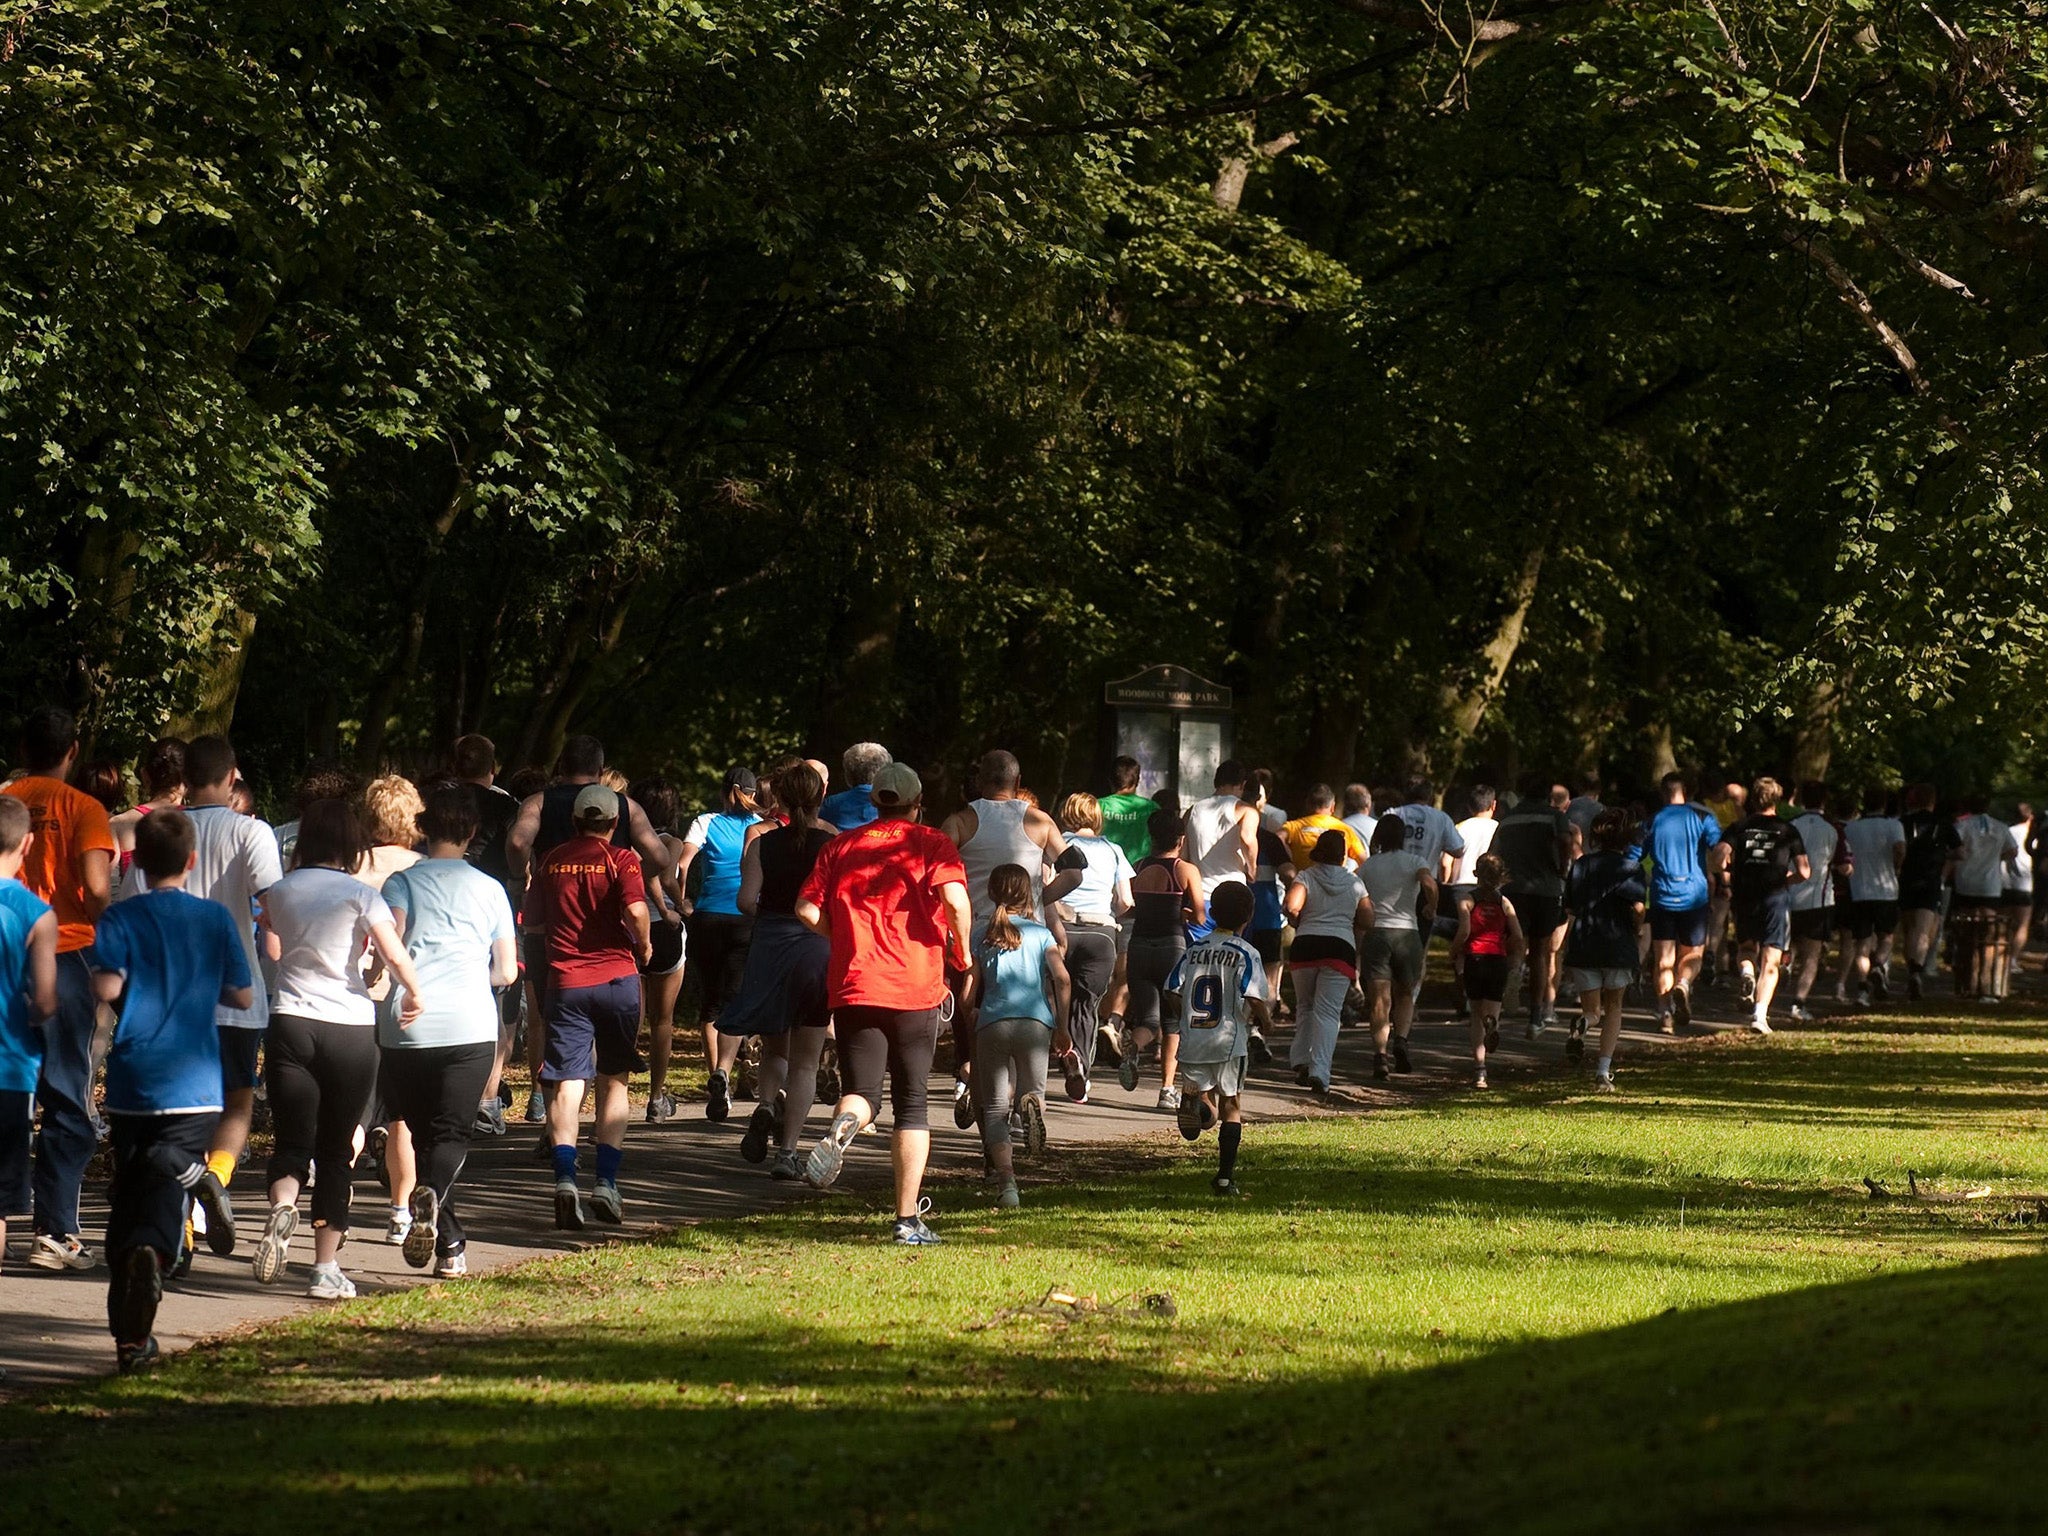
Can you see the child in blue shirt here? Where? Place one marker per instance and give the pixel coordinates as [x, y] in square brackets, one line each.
[28, 995]
[1021, 998]
[169, 959]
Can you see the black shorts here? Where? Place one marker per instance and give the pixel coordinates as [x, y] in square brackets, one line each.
[238, 1049]
[1684, 926]
[1486, 978]
[1813, 925]
[1873, 919]
[718, 945]
[1540, 916]
[1920, 898]
[1958, 902]
[1766, 921]
[2019, 901]
[1267, 942]
[666, 942]
[901, 1042]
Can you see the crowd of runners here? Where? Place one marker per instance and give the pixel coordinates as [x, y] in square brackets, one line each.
[365, 974]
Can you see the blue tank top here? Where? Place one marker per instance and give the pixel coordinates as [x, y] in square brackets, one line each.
[723, 838]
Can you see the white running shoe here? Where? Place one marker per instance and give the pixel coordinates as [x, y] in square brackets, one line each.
[452, 1266]
[1760, 1025]
[274, 1244]
[395, 1228]
[829, 1155]
[1169, 1098]
[330, 1284]
[48, 1252]
[1799, 1015]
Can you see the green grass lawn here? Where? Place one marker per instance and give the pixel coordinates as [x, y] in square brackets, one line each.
[1476, 1314]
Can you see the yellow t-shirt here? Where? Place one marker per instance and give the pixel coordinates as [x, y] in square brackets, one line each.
[1301, 833]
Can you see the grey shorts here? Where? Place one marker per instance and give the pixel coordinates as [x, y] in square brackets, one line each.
[1581, 979]
[1391, 954]
[1226, 1078]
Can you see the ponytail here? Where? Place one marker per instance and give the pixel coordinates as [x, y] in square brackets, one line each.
[1009, 887]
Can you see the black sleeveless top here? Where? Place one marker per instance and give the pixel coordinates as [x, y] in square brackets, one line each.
[1157, 913]
[558, 820]
[786, 862]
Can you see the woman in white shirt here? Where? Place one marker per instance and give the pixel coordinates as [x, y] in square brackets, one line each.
[1090, 912]
[320, 1052]
[1328, 908]
[1403, 891]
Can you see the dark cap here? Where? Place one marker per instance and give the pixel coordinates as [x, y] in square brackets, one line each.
[741, 779]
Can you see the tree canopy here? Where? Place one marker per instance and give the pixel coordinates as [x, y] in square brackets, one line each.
[1609, 384]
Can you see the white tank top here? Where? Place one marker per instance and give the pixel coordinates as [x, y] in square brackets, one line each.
[999, 838]
[1213, 847]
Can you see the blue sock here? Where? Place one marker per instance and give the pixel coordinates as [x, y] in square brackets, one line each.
[565, 1162]
[608, 1160]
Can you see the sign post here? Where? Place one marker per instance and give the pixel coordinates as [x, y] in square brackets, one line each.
[1178, 725]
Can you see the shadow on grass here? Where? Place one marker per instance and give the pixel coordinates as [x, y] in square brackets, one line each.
[1898, 1403]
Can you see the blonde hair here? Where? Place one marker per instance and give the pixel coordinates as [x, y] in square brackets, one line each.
[1081, 810]
[614, 781]
[391, 806]
[1009, 887]
[1765, 793]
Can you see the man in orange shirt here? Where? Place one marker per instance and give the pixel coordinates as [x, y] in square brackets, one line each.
[69, 865]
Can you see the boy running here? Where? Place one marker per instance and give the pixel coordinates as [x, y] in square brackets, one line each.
[1221, 983]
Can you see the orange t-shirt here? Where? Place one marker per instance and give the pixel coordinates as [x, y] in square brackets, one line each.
[66, 822]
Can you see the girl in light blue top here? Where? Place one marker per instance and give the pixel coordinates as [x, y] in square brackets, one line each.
[1021, 996]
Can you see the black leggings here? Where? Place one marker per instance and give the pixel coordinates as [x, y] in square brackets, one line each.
[718, 956]
[319, 1076]
[900, 1041]
[1091, 962]
[434, 1090]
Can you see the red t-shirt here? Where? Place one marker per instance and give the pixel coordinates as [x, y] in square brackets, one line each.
[878, 886]
[585, 886]
[66, 822]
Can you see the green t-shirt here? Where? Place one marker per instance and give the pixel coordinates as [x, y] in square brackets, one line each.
[1124, 819]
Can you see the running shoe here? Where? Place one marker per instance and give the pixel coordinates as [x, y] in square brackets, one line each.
[48, 1252]
[1881, 983]
[1760, 1025]
[397, 1226]
[1913, 988]
[828, 1073]
[212, 1198]
[1745, 991]
[1493, 1036]
[1301, 1074]
[785, 1167]
[1799, 1015]
[1109, 1041]
[1032, 1113]
[490, 1119]
[662, 1107]
[135, 1357]
[1575, 1042]
[1462, 1011]
[1227, 1187]
[136, 1314]
[544, 1149]
[1681, 1006]
[1127, 1072]
[330, 1284]
[1077, 1080]
[605, 1204]
[760, 1126]
[829, 1155]
[375, 1145]
[1379, 1066]
[718, 1097]
[1401, 1062]
[1603, 1083]
[1665, 1026]
[963, 1104]
[1479, 1081]
[1008, 1199]
[1261, 1053]
[911, 1232]
[1169, 1099]
[452, 1266]
[424, 1232]
[1188, 1115]
[536, 1109]
[274, 1244]
[568, 1206]
[1318, 1087]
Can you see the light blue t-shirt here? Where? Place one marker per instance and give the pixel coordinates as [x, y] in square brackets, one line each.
[178, 954]
[1013, 980]
[1677, 834]
[21, 1037]
[722, 838]
[451, 913]
[849, 808]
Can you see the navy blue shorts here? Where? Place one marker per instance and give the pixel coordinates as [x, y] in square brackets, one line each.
[1686, 927]
[238, 1049]
[1767, 921]
[592, 1031]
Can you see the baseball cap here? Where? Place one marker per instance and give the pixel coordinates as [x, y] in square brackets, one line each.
[742, 779]
[897, 784]
[594, 802]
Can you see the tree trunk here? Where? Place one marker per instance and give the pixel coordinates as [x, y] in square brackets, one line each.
[559, 711]
[1813, 743]
[213, 708]
[1463, 708]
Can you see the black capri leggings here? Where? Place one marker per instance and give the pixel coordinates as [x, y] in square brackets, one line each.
[1091, 962]
[434, 1090]
[1147, 965]
[901, 1041]
[718, 956]
[319, 1076]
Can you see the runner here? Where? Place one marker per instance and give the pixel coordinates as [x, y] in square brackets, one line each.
[1221, 986]
[1304, 832]
[1357, 814]
[320, 1051]
[1092, 914]
[1222, 836]
[591, 898]
[1877, 847]
[1979, 869]
[1930, 840]
[1267, 930]
[475, 762]
[719, 931]
[1271, 817]
[1166, 903]
[854, 805]
[892, 900]
[1604, 898]
[236, 862]
[782, 995]
[2019, 885]
[1432, 836]
[1534, 840]
[391, 815]
[28, 996]
[162, 772]
[1403, 891]
[1477, 830]
[68, 863]
[1676, 842]
[1717, 963]
[1488, 943]
[456, 923]
[1126, 822]
[1813, 898]
[1329, 909]
[170, 960]
[661, 978]
[1020, 989]
[1765, 858]
[1584, 808]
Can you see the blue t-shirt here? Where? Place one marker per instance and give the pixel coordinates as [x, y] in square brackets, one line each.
[454, 912]
[1013, 980]
[1673, 844]
[849, 808]
[721, 837]
[21, 1037]
[179, 954]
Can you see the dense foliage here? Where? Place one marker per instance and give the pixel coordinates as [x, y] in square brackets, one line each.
[1597, 383]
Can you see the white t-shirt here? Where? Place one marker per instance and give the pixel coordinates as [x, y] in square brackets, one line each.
[1478, 834]
[1214, 979]
[236, 860]
[1390, 880]
[1871, 841]
[1095, 896]
[1331, 905]
[1213, 846]
[1986, 841]
[2019, 875]
[323, 919]
[1817, 891]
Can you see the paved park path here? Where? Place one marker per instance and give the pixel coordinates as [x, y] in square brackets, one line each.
[53, 1326]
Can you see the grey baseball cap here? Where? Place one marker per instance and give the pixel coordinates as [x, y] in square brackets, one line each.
[594, 802]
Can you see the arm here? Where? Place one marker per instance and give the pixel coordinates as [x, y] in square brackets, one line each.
[1517, 944]
[640, 928]
[654, 854]
[42, 966]
[1464, 934]
[107, 985]
[812, 917]
[519, 842]
[504, 962]
[1248, 842]
[1190, 892]
[95, 874]
[1425, 904]
[1293, 902]
[237, 997]
[1059, 991]
[391, 950]
[749, 899]
[1802, 869]
[1122, 901]
[959, 916]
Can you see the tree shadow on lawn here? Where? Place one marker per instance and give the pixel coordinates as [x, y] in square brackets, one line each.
[1907, 1402]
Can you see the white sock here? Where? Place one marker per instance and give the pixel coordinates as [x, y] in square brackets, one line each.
[331, 1267]
[1606, 1067]
[1759, 1013]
